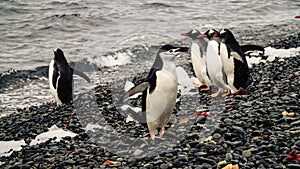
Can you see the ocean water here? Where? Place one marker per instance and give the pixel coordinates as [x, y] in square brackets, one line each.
[89, 28]
[107, 33]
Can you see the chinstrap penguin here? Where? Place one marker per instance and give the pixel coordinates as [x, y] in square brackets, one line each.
[61, 78]
[159, 89]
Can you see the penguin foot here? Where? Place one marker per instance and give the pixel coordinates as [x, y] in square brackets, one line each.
[240, 92]
[161, 132]
[203, 87]
[215, 94]
[227, 93]
[152, 135]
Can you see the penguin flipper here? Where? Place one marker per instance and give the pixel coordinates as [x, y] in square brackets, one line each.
[237, 56]
[136, 89]
[81, 74]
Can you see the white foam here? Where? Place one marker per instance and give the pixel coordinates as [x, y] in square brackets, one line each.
[185, 82]
[6, 147]
[119, 58]
[54, 131]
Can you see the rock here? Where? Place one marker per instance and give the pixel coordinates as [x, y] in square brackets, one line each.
[246, 153]
[228, 156]
[164, 166]
[238, 129]
[293, 166]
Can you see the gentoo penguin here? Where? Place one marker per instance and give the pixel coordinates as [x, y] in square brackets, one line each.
[198, 56]
[159, 89]
[214, 63]
[234, 62]
[61, 78]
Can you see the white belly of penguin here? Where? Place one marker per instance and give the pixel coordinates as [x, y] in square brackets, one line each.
[161, 102]
[228, 65]
[52, 89]
[214, 65]
[199, 64]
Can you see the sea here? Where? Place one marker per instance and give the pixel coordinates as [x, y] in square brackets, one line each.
[107, 35]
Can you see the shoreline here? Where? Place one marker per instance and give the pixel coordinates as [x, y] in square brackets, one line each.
[252, 133]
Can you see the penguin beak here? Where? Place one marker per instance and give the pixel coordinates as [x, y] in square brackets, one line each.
[201, 36]
[297, 17]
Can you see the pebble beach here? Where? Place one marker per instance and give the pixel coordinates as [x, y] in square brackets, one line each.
[255, 130]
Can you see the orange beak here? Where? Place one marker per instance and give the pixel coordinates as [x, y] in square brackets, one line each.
[201, 36]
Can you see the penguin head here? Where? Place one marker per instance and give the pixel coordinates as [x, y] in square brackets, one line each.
[59, 56]
[192, 34]
[168, 52]
[226, 34]
[211, 33]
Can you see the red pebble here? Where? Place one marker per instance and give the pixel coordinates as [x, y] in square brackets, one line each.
[74, 153]
[293, 156]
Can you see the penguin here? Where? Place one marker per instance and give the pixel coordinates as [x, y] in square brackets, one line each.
[198, 57]
[61, 78]
[234, 61]
[159, 90]
[215, 67]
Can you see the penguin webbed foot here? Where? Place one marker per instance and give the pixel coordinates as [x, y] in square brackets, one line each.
[152, 135]
[202, 87]
[240, 92]
[227, 93]
[161, 132]
[205, 88]
[215, 94]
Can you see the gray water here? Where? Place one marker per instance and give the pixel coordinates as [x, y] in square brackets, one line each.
[89, 29]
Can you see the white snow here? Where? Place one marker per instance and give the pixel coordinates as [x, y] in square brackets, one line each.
[185, 82]
[6, 147]
[54, 131]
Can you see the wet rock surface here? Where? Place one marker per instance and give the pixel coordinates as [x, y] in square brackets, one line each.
[249, 130]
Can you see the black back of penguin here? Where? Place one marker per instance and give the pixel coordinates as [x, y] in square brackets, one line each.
[62, 77]
[242, 77]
